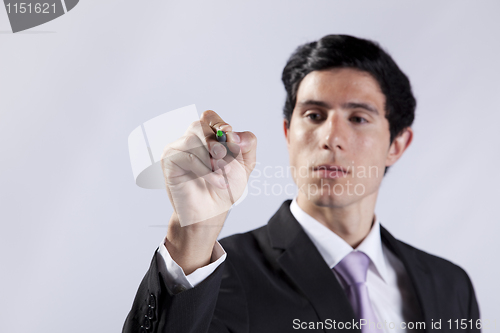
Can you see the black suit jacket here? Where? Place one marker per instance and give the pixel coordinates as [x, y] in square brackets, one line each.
[274, 275]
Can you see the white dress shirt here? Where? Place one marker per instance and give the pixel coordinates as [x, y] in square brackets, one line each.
[174, 276]
[389, 287]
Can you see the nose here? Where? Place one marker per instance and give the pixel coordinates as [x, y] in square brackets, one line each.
[333, 133]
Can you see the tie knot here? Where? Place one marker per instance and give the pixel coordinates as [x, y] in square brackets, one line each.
[353, 267]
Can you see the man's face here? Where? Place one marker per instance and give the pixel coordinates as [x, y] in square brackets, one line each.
[338, 122]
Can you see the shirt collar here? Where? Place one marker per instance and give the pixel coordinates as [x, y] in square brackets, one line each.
[333, 248]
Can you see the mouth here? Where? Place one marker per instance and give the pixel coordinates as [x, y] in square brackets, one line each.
[330, 171]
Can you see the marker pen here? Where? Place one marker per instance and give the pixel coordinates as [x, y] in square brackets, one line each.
[222, 138]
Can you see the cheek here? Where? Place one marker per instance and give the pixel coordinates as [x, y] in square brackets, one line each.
[369, 151]
[300, 139]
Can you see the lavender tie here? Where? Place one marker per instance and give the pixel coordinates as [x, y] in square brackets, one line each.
[353, 269]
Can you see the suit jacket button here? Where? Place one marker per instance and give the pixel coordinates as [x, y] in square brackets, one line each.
[152, 301]
[147, 323]
[150, 313]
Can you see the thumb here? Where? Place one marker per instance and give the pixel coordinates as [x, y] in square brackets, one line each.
[248, 149]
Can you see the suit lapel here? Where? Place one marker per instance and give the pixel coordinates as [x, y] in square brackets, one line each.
[302, 262]
[419, 276]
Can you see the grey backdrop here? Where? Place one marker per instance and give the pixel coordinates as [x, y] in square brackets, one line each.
[77, 234]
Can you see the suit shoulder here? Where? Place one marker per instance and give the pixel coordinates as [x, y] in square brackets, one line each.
[447, 279]
[438, 266]
[250, 249]
[246, 242]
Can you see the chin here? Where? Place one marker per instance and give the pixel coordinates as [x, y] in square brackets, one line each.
[332, 201]
[328, 199]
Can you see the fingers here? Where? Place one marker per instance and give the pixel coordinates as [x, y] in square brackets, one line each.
[200, 141]
[215, 121]
[206, 135]
[188, 161]
[233, 137]
[211, 122]
[193, 144]
[205, 130]
[248, 149]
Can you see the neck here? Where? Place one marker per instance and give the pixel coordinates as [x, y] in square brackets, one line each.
[351, 222]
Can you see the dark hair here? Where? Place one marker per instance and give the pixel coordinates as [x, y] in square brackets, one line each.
[334, 51]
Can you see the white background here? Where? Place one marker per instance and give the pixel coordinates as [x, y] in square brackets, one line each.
[77, 235]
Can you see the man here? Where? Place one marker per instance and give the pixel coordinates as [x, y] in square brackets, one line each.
[323, 262]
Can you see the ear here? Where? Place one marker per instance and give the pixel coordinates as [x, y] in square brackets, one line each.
[286, 130]
[398, 146]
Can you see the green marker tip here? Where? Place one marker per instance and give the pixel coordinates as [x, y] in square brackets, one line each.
[219, 133]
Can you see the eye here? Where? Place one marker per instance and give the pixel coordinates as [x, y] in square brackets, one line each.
[359, 120]
[314, 116]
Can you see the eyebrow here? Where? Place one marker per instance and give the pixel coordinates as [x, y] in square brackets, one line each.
[350, 105]
[365, 106]
[315, 103]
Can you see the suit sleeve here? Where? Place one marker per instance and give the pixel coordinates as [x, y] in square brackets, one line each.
[473, 308]
[197, 310]
[174, 276]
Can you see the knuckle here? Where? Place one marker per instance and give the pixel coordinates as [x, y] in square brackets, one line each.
[167, 150]
[207, 113]
[194, 127]
[252, 138]
[189, 141]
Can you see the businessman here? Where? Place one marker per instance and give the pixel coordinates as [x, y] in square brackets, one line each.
[323, 262]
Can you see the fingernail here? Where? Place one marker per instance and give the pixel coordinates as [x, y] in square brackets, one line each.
[224, 127]
[234, 137]
[218, 149]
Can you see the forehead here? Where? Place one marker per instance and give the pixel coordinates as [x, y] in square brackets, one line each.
[341, 85]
